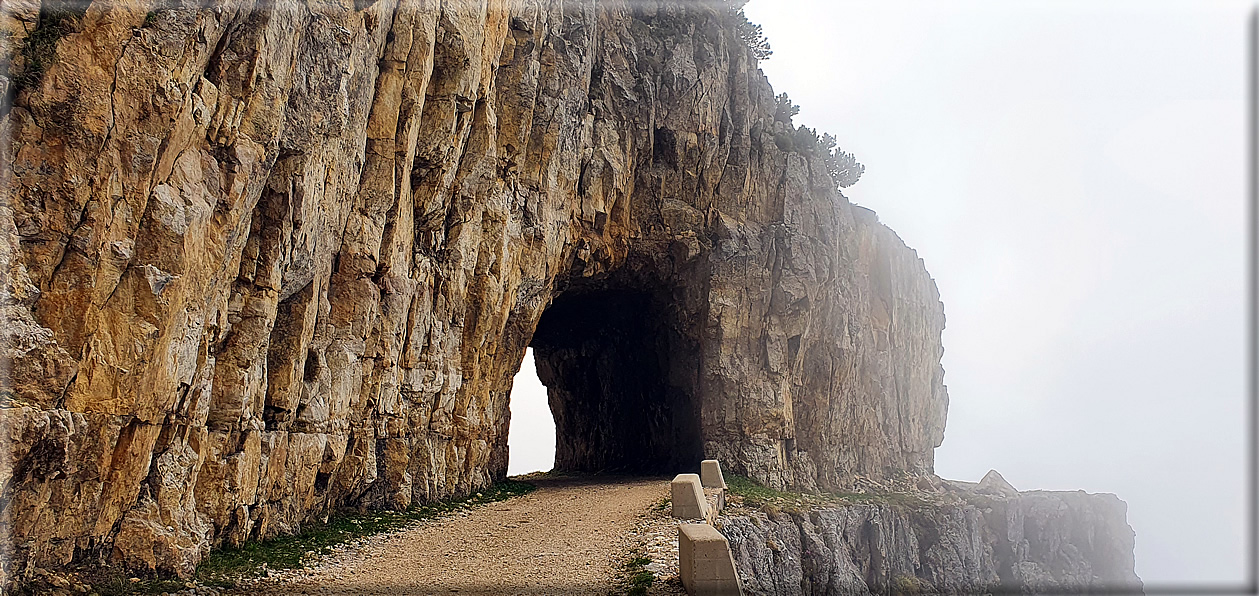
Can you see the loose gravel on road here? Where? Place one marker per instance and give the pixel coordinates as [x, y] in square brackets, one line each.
[570, 536]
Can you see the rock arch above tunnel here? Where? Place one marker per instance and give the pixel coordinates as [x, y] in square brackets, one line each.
[302, 274]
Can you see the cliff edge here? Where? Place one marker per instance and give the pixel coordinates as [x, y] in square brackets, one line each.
[939, 537]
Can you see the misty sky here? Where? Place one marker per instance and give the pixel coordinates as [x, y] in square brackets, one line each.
[1073, 173]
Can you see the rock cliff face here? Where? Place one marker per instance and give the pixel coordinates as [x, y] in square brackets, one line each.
[967, 543]
[266, 259]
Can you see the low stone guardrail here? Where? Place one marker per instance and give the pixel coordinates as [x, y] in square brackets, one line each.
[710, 474]
[687, 497]
[705, 563]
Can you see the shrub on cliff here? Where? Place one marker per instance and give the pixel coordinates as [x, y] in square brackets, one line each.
[754, 37]
[751, 33]
[842, 166]
[784, 110]
[39, 50]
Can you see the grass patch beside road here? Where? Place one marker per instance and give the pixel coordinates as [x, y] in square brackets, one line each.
[225, 567]
[755, 494]
[771, 501]
[637, 578]
[253, 559]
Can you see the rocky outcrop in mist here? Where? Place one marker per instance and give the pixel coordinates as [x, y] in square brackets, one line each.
[957, 539]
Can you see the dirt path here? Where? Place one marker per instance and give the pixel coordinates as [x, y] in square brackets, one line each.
[567, 537]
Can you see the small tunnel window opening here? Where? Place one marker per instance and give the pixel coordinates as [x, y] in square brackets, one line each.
[606, 358]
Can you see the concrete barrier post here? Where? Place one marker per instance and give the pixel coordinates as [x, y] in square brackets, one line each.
[710, 474]
[688, 497]
[705, 563]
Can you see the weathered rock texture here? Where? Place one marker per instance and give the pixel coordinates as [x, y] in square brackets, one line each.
[265, 259]
[974, 543]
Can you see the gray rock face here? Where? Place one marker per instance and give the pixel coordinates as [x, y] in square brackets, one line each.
[1031, 542]
[264, 260]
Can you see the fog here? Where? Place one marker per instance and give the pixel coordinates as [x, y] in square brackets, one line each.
[1074, 175]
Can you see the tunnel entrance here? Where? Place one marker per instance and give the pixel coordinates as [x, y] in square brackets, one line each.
[616, 384]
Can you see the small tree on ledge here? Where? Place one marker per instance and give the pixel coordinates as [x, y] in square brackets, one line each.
[750, 33]
[784, 110]
[843, 166]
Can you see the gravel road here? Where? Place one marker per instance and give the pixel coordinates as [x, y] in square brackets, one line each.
[567, 537]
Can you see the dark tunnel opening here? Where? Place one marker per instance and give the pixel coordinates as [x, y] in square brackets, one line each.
[605, 357]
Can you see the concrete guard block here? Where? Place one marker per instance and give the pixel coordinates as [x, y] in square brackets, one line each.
[710, 474]
[705, 564]
[688, 497]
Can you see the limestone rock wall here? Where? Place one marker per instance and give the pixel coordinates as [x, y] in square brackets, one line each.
[1032, 542]
[265, 259]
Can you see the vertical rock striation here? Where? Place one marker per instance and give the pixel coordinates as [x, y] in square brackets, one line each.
[262, 260]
